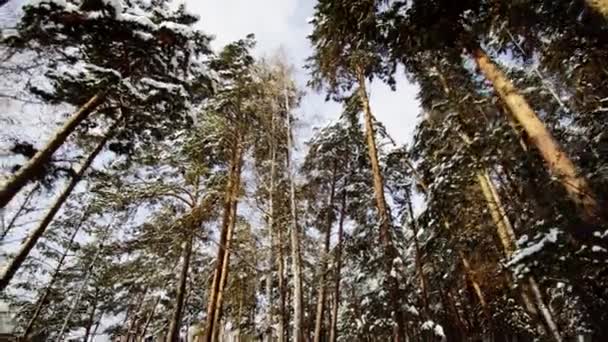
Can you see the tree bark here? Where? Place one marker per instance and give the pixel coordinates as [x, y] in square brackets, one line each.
[333, 332]
[556, 158]
[47, 290]
[323, 267]
[470, 275]
[229, 215]
[85, 281]
[282, 288]
[91, 320]
[418, 257]
[225, 269]
[30, 242]
[271, 222]
[600, 6]
[21, 209]
[133, 325]
[296, 257]
[176, 316]
[390, 252]
[507, 237]
[36, 165]
[148, 320]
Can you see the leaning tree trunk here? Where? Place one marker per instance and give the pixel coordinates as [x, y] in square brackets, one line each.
[132, 329]
[600, 6]
[296, 257]
[35, 166]
[390, 252]
[333, 331]
[91, 319]
[85, 281]
[176, 316]
[30, 242]
[323, 267]
[507, 237]
[556, 158]
[47, 290]
[229, 215]
[21, 209]
[142, 335]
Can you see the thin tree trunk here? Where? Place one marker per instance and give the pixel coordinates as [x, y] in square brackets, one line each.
[390, 252]
[94, 333]
[271, 221]
[149, 320]
[225, 269]
[333, 332]
[600, 6]
[228, 218]
[556, 158]
[131, 330]
[36, 165]
[418, 257]
[11, 223]
[30, 242]
[85, 281]
[91, 320]
[282, 288]
[176, 316]
[323, 267]
[47, 290]
[507, 236]
[296, 257]
[470, 275]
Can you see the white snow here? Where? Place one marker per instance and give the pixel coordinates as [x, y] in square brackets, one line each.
[430, 325]
[532, 249]
[183, 30]
[163, 85]
[597, 249]
[115, 4]
[143, 35]
[59, 3]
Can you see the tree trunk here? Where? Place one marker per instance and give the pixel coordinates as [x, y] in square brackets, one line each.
[333, 332]
[229, 215]
[22, 208]
[419, 264]
[85, 281]
[35, 166]
[148, 320]
[323, 267]
[132, 329]
[30, 242]
[282, 288]
[94, 333]
[225, 269]
[176, 316]
[296, 257]
[507, 237]
[470, 275]
[47, 290]
[557, 160]
[271, 220]
[91, 320]
[390, 251]
[600, 6]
